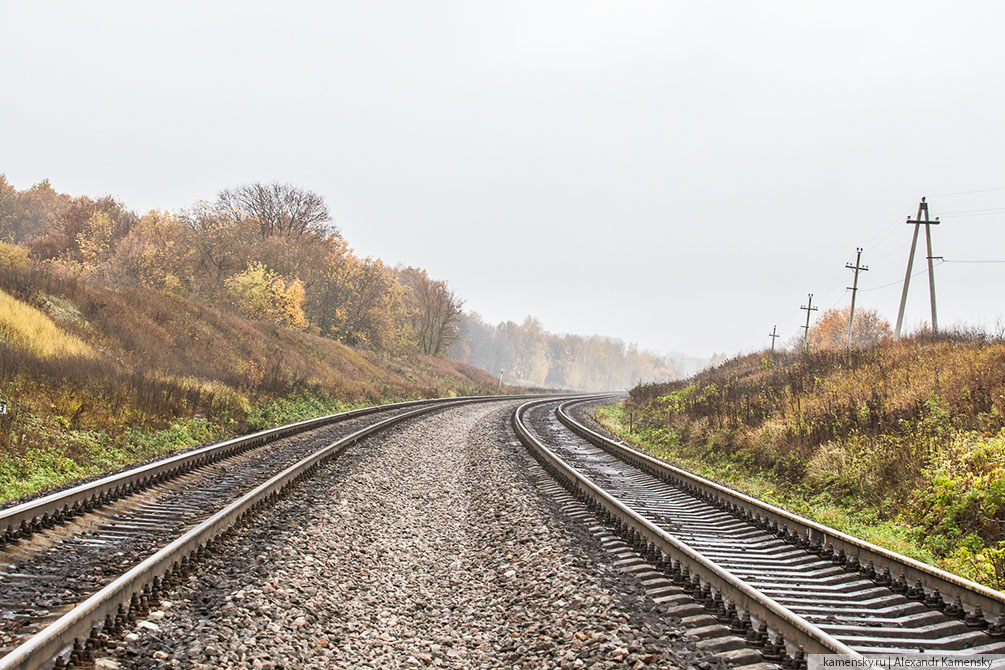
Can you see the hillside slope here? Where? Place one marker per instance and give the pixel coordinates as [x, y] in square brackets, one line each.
[903, 442]
[96, 376]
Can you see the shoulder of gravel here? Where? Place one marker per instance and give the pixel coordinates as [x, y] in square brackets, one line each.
[642, 615]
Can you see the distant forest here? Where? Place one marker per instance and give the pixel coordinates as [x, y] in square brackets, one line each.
[526, 354]
[271, 253]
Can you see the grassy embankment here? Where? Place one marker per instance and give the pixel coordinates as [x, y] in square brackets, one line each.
[902, 444]
[97, 377]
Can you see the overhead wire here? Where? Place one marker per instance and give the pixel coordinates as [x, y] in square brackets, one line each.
[980, 190]
[899, 281]
[986, 210]
[881, 236]
[970, 216]
[834, 281]
[953, 261]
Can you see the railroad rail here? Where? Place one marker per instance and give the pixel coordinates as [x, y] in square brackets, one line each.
[164, 516]
[787, 585]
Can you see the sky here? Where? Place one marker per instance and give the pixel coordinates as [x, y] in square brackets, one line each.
[676, 174]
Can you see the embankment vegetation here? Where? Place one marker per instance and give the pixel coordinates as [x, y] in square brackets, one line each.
[124, 336]
[899, 441]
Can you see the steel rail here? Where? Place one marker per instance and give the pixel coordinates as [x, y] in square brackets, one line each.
[123, 594]
[895, 569]
[22, 521]
[802, 636]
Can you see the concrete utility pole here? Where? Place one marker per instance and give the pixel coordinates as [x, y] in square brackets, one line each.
[922, 209]
[774, 336]
[858, 267]
[806, 329]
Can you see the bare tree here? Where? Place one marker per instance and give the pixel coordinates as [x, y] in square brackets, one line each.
[435, 311]
[281, 210]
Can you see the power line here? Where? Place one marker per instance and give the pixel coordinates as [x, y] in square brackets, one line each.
[980, 190]
[986, 210]
[886, 232]
[945, 261]
[839, 299]
[896, 250]
[970, 216]
[894, 283]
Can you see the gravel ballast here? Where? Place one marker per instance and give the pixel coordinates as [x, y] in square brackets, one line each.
[427, 545]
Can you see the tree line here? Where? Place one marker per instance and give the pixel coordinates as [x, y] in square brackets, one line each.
[270, 252]
[526, 354]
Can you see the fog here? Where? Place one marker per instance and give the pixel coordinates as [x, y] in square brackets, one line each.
[678, 175]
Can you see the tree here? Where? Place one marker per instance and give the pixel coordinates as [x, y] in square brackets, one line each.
[528, 354]
[281, 210]
[372, 300]
[831, 330]
[221, 245]
[262, 294]
[434, 310]
[26, 215]
[156, 253]
[84, 233]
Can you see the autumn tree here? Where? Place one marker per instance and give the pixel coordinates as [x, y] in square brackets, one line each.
[372, 301]
[331, 292]
[831, 330]
[221, 245]
[28, 214]
[14, 257]
[84, 234]
[261, 294]
[526, 353]
[434, 311]
[9, 210]
[280, 210]
[156, 253]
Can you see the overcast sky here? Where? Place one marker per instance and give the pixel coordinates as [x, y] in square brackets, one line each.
[676, 174]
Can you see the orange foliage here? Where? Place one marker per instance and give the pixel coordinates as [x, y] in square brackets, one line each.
[831, 331]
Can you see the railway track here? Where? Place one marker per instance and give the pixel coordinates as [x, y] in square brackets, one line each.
[782, 584]
[76, 565]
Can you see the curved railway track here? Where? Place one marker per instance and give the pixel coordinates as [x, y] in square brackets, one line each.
[77, 564]
[782, 583]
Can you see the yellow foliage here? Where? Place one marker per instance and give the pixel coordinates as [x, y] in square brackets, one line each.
[96, 241]
[153, 254]
[13, 257]
[24, 327]
[262, 294]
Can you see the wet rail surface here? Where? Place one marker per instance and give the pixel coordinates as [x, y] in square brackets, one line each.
[868, 612]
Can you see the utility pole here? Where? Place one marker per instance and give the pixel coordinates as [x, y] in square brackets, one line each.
[918, 222]
[806, 329]
[774, 336]
[858, 267]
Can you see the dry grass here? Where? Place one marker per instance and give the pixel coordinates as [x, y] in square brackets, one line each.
[911, 431]
[29, 329]
[85, 366]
